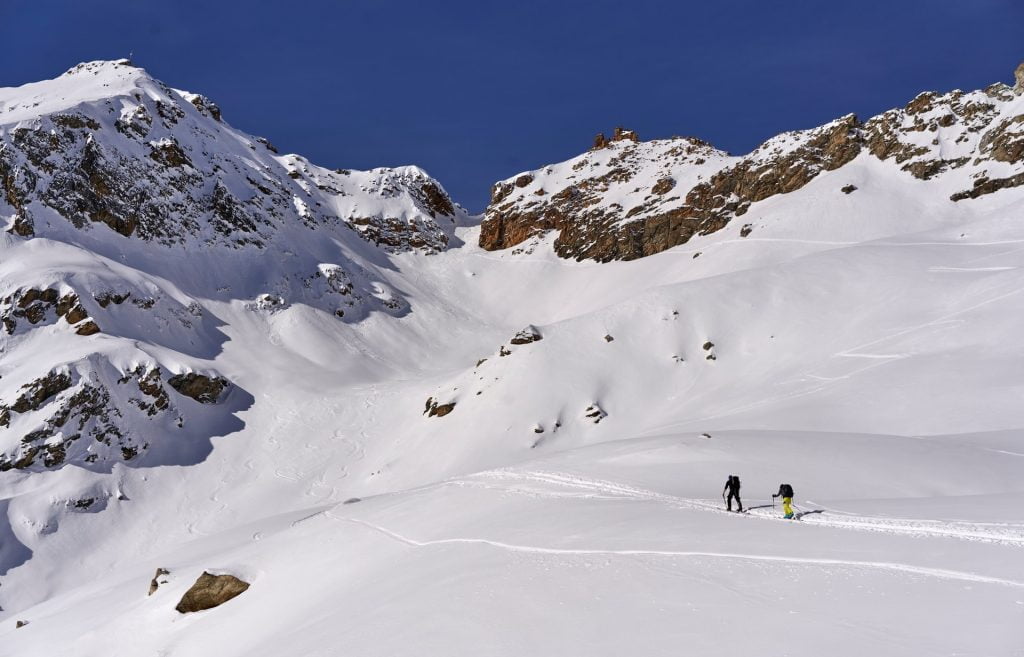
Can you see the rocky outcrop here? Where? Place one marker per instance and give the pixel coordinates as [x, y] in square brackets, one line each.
[594, 413]
[210, 591]
[154, 584]
[435, 409]
[40, 306]
[76, 415]
[573, 199]
[204, 389]
[626, 199]
[527, 335]
[620, 134]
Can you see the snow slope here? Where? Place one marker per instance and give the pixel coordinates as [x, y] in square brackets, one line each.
[864, 347]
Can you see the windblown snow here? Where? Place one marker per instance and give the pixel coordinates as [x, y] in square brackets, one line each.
[317, 382]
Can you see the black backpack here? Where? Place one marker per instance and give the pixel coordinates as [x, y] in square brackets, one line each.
[734, 483]
[786, 490]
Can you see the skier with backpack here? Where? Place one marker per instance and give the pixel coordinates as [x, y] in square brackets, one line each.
[786, 493]
[732, 486]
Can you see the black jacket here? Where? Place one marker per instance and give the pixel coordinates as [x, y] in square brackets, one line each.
[732, 485]
[785, 490]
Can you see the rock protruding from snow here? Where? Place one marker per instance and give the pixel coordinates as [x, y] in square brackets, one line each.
[1018, 76]
[436, 409]
[204, 389]
[211, 591]
[154, 584]
[527, 335]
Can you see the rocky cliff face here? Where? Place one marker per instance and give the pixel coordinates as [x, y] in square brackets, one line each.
[627, 199]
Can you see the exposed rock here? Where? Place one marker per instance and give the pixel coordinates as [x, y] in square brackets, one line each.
[984, 186]
[663, 186]
[206, 106]
[622, 134]
[848, 189]
[39, 306]
[80, 420]
[746, 230]
[438, 410]
[108, 298]
[154, 584]
[169, 154]
[88, 328]
[202, 388]
[20, 624]
[41, 390]
[444, 409]
[590, 228]
[437, 202]
[210, 591]
[527, 335]
[609, 338]
[1018, 76]
[595, 413]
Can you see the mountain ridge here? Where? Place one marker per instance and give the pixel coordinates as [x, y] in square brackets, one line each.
[974, 139]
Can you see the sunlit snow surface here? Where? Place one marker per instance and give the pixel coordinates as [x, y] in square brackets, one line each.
[867, 351]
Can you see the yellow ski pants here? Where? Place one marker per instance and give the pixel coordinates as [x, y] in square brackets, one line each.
[787, 507]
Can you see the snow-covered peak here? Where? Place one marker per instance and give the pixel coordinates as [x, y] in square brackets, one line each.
[85, 83]
[93, 145]
[130, 208]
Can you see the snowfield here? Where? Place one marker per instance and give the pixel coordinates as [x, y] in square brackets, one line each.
[863, 347]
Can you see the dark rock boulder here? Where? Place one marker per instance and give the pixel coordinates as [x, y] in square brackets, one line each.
[527, 335]
[203, 389]
[211, 591]
[88, 328]
[435, 409]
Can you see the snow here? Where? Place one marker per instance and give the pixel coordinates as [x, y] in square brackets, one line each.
[867, 352]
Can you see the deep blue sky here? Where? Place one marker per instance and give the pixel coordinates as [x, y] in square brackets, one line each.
[476, 91]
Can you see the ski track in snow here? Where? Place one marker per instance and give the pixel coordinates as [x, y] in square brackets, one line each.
[1006, 534]
[529, 549]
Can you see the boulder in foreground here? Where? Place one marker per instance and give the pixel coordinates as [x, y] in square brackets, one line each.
[211, 591]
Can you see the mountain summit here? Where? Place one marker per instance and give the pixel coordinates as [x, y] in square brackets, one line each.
[113, 185]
